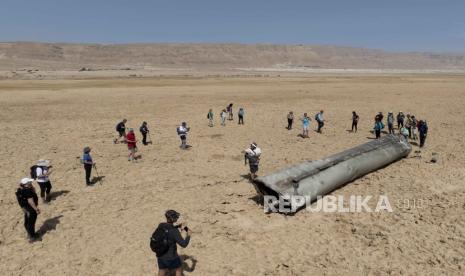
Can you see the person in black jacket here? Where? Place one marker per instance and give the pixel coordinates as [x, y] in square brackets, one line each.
[121, 129]
[171, 260]
[28, 200]
[144, 130]
[423, 130]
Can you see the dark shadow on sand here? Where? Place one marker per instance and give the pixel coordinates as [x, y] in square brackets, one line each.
[188, 263]
[55, 194]
[258, 199]
[49, 225]
[97, 179]
[246, 176]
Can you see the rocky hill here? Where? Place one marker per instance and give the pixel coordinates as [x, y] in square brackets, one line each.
[59, 56]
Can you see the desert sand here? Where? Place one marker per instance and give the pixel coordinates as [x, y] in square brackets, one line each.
[105, 229]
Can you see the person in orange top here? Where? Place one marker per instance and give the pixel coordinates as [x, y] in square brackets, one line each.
[132, 147]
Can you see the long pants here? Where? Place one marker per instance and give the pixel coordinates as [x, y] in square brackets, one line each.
[30, 217]
[422, 139]
[88, 169]
[400, 124]
[223, 121]
[183, 141]
[289, 123]
[409, 132]
[414, 133]
[391, 128]
[210, 122]
[378, 133]
[45, 188]
[241, 120]
[320, 126]
[144, 138]
[354, 125]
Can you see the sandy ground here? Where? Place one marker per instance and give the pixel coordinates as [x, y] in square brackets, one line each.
[105, 229]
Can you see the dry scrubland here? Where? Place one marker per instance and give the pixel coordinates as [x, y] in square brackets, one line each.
[105, 229]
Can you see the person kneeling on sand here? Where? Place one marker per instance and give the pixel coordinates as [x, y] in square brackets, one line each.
[132, 146]
[182, 130]
[252, 156]
[164, 242]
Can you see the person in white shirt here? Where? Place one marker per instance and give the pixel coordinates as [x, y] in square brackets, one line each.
[182, 130]
[223, 117]
[252, 156]
[43, 171]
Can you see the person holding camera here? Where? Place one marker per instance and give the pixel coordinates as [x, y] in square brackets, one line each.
[164, 243]
[252, 156]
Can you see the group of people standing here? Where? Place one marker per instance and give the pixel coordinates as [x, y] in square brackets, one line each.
[319, 118]
[169, 259]
[129, 138]
[27, 197]
[407, 125]
[226, 113]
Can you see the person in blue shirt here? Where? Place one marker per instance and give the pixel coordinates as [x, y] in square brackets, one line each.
[320, 120]
[305, 125]
[88, 164]
[378, 127]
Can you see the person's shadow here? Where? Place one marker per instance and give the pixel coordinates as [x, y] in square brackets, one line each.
[49, 225]
[188, 263]
[97, 179]
[55, 194]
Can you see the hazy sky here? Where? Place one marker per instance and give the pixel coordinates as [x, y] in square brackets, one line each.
[396, 25]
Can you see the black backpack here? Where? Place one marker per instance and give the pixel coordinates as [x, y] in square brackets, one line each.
[22, 200]
[34, 172]
[160, 242]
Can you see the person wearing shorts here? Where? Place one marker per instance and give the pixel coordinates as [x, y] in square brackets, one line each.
[171, 260]
[305, 125]
[252, 155]
[182, 131]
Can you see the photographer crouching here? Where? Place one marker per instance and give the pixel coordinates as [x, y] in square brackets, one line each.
[164, 243]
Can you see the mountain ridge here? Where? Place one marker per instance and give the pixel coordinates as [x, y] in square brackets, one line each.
[70, 56]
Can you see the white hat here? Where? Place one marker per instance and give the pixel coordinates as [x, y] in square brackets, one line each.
[43, 163]
[26, 181]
